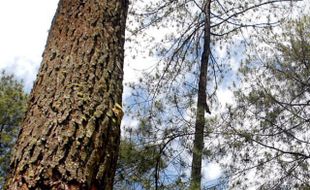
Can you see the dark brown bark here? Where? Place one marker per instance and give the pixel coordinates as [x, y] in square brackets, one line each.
[201, 105]
[70, 135]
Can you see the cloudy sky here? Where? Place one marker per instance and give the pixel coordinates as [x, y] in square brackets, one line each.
[24, 29]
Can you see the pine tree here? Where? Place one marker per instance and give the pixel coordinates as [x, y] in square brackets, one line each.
[70, 136]
[189, 69]
[267, 132]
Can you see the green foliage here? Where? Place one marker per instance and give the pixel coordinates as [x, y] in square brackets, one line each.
[12, 108]
[135, 167]
[267, 132]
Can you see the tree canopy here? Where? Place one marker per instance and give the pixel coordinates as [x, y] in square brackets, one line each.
[12, 108]
[267, 131]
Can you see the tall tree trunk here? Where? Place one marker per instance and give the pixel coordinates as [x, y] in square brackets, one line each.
[201, 105]
[71, 132]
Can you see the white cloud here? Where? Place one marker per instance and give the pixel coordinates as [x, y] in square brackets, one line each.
[24, 29]
[225, 96]
[24, 69]
[211, 171]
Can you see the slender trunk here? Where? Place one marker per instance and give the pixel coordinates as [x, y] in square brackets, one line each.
[71, 132]
[201, 105]
[1, 130]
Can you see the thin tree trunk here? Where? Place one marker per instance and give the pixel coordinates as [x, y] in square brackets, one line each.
[71, 132]
[201, 105]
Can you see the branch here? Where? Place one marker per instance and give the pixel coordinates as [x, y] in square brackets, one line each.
[250, 8]
[270, 147]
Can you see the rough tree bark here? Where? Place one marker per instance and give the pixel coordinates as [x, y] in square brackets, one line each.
[201, 105]
[70, 135]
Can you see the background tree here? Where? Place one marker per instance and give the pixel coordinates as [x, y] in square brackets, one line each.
[12, 108]
[70, 135]
[267, 132]
[135, 166]
[189, 69]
